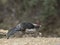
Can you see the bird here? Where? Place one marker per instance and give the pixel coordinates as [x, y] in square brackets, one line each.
[22, 27]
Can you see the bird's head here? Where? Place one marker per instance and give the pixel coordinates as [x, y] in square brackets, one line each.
[37, 26]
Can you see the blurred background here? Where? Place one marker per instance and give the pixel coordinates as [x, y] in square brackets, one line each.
[46, 12]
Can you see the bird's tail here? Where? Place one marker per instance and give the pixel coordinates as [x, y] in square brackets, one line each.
[11, 32]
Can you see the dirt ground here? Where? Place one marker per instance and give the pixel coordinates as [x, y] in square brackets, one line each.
[30, 41]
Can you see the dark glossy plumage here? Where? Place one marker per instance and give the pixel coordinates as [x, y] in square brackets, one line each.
[21, 27]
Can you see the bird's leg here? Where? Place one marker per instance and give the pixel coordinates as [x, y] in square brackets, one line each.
[23, 33]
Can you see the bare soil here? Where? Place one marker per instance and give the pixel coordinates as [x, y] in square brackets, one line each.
[30, 41]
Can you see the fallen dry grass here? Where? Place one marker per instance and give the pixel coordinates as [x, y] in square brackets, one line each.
[30, 41]
[3, 31]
